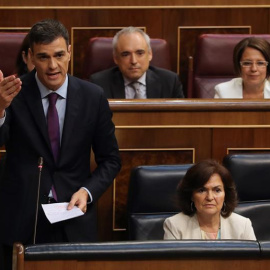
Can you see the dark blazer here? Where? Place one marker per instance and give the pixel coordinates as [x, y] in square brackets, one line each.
[87, 124]
[160, 83]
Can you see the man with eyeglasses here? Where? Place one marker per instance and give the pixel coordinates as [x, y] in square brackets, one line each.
[251, 59]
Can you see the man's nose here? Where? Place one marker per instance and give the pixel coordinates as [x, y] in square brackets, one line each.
[133, 58]
[52, 63]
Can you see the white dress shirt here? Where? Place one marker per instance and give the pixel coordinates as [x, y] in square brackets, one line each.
[129, 89]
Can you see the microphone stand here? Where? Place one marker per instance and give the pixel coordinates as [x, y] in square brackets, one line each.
[40, 165]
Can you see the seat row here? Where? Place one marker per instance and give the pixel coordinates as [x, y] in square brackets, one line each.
[145, 255]
[212, 63]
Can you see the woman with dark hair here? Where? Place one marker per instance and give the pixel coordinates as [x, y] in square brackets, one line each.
[207, 197]
[251, 59]
[23, 61]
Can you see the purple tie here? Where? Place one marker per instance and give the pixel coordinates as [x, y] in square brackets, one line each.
[54, 130]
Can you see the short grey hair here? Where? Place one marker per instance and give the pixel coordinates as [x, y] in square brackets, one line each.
[130, 30]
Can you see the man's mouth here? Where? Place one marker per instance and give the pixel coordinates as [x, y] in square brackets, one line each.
[53, 75]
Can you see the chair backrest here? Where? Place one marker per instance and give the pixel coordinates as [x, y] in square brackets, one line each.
[251, 173]
[99, 55]
[10, 43]
[259, 214]
[152, 198]
[213, 62]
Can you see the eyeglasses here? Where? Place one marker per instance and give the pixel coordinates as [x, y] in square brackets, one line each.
[249, 64]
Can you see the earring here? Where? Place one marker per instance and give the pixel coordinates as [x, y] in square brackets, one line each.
[223, 209]
[191, 206]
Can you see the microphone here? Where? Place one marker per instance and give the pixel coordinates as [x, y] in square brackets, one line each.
[40, 166]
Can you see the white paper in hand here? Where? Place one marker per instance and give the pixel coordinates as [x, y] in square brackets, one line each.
[56, 212]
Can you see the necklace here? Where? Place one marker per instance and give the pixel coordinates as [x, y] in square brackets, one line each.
[211, 235]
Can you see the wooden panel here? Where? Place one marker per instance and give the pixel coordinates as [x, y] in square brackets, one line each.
[110, 3]
[24, 17]
[14, 29]
[252, 139]
[154, 264]
[79, 42]
[248, 150]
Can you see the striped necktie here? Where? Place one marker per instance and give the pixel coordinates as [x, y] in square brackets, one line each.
[138, 90]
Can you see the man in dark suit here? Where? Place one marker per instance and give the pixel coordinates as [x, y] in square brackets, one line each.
[133, 77]
[84, 123]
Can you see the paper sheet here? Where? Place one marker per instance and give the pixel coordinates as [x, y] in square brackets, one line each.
[56, 212]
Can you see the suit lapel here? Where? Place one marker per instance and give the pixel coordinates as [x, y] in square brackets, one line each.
[195, 228]
[225, 229]
[72, 108]
[118, 86]
[34, 103]
[32, 97]
[153, 85]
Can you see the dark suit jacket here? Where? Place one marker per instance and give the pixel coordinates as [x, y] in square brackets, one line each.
[160, 83]
[87, 124]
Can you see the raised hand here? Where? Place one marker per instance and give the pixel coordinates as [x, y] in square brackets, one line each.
[9, 88]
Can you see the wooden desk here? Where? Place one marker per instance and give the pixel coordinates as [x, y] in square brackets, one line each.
[167, 131]
[186, 264]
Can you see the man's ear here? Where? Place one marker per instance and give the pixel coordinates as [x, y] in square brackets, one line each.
[31, 55]
[69, 51]
[150, 55]
[115, 59]
[24, 57]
